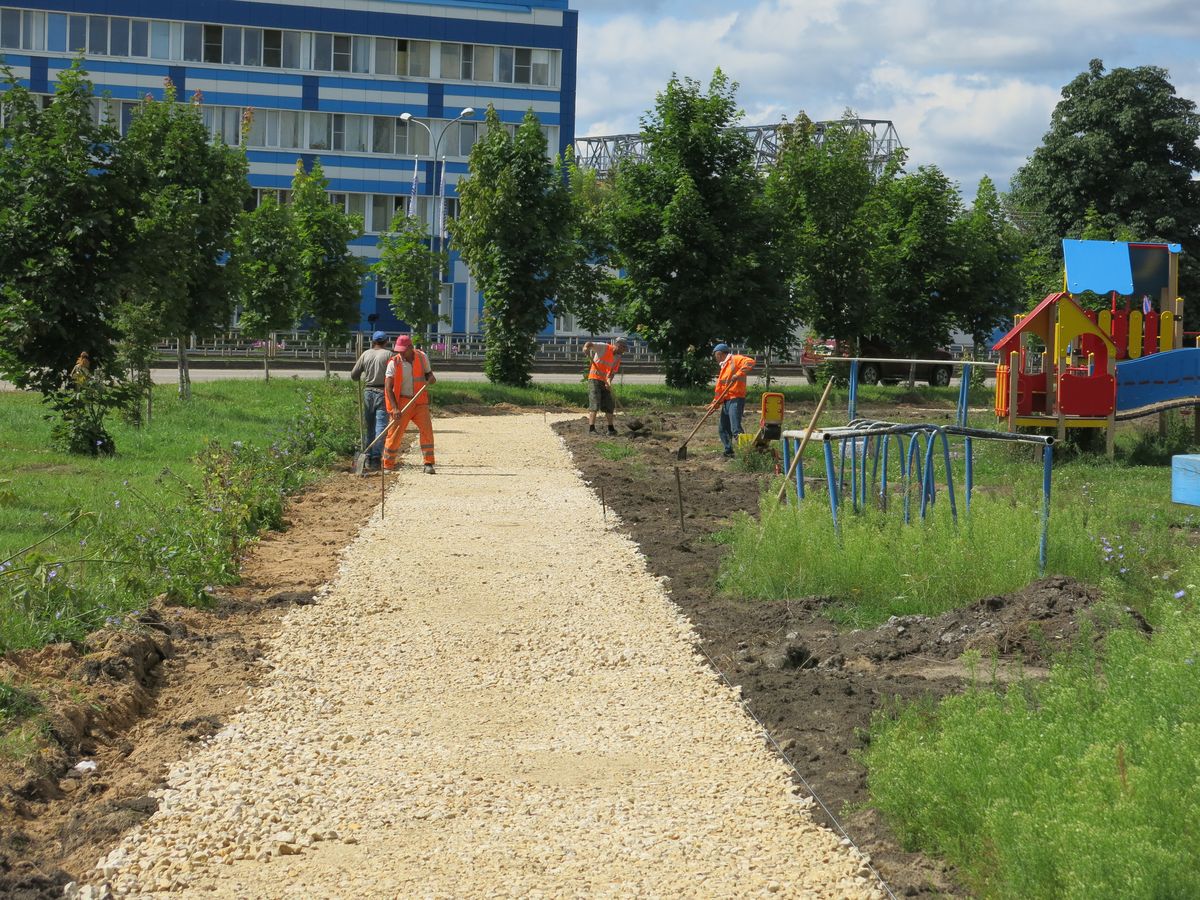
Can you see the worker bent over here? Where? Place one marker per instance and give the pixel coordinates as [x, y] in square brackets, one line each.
[606, 362]
[407, 373]
[730, 394]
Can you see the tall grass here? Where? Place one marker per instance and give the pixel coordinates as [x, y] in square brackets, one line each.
[1084, 786]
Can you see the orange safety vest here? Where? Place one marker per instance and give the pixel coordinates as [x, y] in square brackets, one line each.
[732, 378]
[607, 366]
[420, 365]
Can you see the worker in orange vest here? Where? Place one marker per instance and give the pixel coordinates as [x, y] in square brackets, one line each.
[407, 372]
[606, 362]
[730, 395]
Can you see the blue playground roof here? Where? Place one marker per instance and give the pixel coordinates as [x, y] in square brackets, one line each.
[1106, 266]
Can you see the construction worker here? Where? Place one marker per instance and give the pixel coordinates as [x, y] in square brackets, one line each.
[407, 372]
[371, 367]
[606, 362]
[730, 394]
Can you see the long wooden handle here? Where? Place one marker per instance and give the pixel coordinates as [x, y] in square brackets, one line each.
[403, 410]
[787, 479]
[712, 409]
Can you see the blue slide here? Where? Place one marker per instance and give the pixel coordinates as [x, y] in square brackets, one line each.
[1158, 382]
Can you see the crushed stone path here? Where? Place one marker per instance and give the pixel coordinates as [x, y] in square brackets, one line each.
[493, 699]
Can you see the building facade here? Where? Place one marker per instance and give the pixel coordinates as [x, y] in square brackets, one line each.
[373, 88]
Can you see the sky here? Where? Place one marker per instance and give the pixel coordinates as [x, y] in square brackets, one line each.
[969, 85]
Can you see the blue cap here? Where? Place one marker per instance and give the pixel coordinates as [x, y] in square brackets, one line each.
[379, 336]
[721, 348]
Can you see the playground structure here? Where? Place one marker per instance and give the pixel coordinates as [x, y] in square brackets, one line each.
[867, 446]
[1065, 367]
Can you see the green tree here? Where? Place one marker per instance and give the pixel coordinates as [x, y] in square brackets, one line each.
[1124, 143]
[188, 194]
[821, 189]
[991, 280]
[268, 273]
[66, 230]
[693, 235]
[411, 269]
[514, 218]
[915, 260]
[585, 284]
[331, 276]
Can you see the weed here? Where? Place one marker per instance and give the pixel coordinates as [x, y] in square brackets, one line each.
[613, 451]
[16, 703]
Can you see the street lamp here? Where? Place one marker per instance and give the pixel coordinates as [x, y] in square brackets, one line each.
[435, 237]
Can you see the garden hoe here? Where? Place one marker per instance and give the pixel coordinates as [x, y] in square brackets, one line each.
[681, 453]
[360, 459]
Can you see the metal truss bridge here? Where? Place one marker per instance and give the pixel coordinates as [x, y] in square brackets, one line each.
[602, 153]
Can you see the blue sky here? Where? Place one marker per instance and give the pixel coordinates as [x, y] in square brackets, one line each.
[970, 85]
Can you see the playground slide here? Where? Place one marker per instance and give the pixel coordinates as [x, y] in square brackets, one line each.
[1158, 382]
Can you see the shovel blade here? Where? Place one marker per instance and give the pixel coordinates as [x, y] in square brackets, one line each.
[681, 453]
[360, 463]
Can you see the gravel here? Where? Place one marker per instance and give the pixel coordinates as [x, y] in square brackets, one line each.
[493, 699]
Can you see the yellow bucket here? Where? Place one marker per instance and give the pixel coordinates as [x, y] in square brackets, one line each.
[744, 440]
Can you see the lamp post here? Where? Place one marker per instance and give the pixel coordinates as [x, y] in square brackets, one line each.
[435, 237]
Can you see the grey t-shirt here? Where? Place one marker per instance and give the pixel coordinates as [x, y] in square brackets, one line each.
[373, 365]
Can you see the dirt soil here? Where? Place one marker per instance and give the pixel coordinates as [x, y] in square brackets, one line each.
[814, 684]
[136, 699]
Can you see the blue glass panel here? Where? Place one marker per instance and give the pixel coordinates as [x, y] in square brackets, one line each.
[56, 34]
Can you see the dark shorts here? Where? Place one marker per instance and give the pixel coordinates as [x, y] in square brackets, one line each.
[600, 398]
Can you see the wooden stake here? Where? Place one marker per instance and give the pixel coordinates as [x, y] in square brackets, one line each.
[787, 479]
[603, 505]
[679, 497]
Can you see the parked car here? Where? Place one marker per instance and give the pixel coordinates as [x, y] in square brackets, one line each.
[896, 370]
[893, 371]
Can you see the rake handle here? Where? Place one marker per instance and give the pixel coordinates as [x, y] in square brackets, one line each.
[804, 441]
[392, 423]
[711, 409]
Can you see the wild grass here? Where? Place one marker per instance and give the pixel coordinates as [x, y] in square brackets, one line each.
[1086, 785]
[613, 451]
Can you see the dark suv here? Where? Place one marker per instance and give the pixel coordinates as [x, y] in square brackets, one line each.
[895, 370]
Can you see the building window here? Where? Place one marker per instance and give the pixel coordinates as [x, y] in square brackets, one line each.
[77, 34]
[320, 131]
[322, 52]
[412, 58]
[252, 46]
[484, 63]
[342, 45]
[160, 40]
[10, 29]
[504, 57]
[383, 135]
[361, 61]
[468, 134]
[33, 31]
[233, 47]
[139, 38]
[385, 56]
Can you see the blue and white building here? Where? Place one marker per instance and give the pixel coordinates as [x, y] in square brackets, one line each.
[371, 87]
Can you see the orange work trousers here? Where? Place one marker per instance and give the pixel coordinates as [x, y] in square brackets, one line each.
[416, 413]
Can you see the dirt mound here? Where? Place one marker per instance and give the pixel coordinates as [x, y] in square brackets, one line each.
[134, 699]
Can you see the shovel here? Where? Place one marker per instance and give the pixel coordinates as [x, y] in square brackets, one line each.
[360, 459]
[808, 433]
[681, 453]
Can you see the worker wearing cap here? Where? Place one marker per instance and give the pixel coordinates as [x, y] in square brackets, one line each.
[730, 394]
[408, 372]
[371, 367]
[606, 362]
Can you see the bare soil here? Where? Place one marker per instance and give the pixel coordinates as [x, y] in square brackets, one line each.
[812, 683]
[136, 699]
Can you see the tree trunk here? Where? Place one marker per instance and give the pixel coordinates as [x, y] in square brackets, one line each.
[912, 376]
[267, 360]
[325, 356]
[148, 384]
[767, 368]
[185, 378]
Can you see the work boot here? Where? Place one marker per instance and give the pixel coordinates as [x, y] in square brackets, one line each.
[612, 431]
[728, 454]
[428, 470]
[591, 429]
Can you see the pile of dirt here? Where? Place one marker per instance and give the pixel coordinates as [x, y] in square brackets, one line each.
[814, 684]
[133, 699]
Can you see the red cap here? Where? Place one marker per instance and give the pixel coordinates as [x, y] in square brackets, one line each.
[404, 342]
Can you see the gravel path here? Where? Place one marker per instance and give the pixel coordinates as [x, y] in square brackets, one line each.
[494, 699]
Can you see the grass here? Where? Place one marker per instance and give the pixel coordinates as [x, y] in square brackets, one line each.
[85, 540]
[614, 452]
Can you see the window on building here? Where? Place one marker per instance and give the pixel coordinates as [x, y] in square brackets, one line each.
[383, 134]
[98, 35]
[446, 307]
[252, 46]
[272, 48]
[452, 56]
[382, 208]
[223, 123]
[342, 45]
[291, 129]
[77, 34]
[355, 133]
[322, 52]
[468, 134]
[212, 43]
[356, 205]
[412, 58]
[337, 199]
[118, 42]
[361, 55]
[291, 49]
[256, 135]
[56, 32]
[233, 47]
[160, 40]
[385, 56]
[504, 60]
[33, 31]
[543, 67]
[10, 29]
[523, 66]
[320, 131]
[484, 65]
[139, 38]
